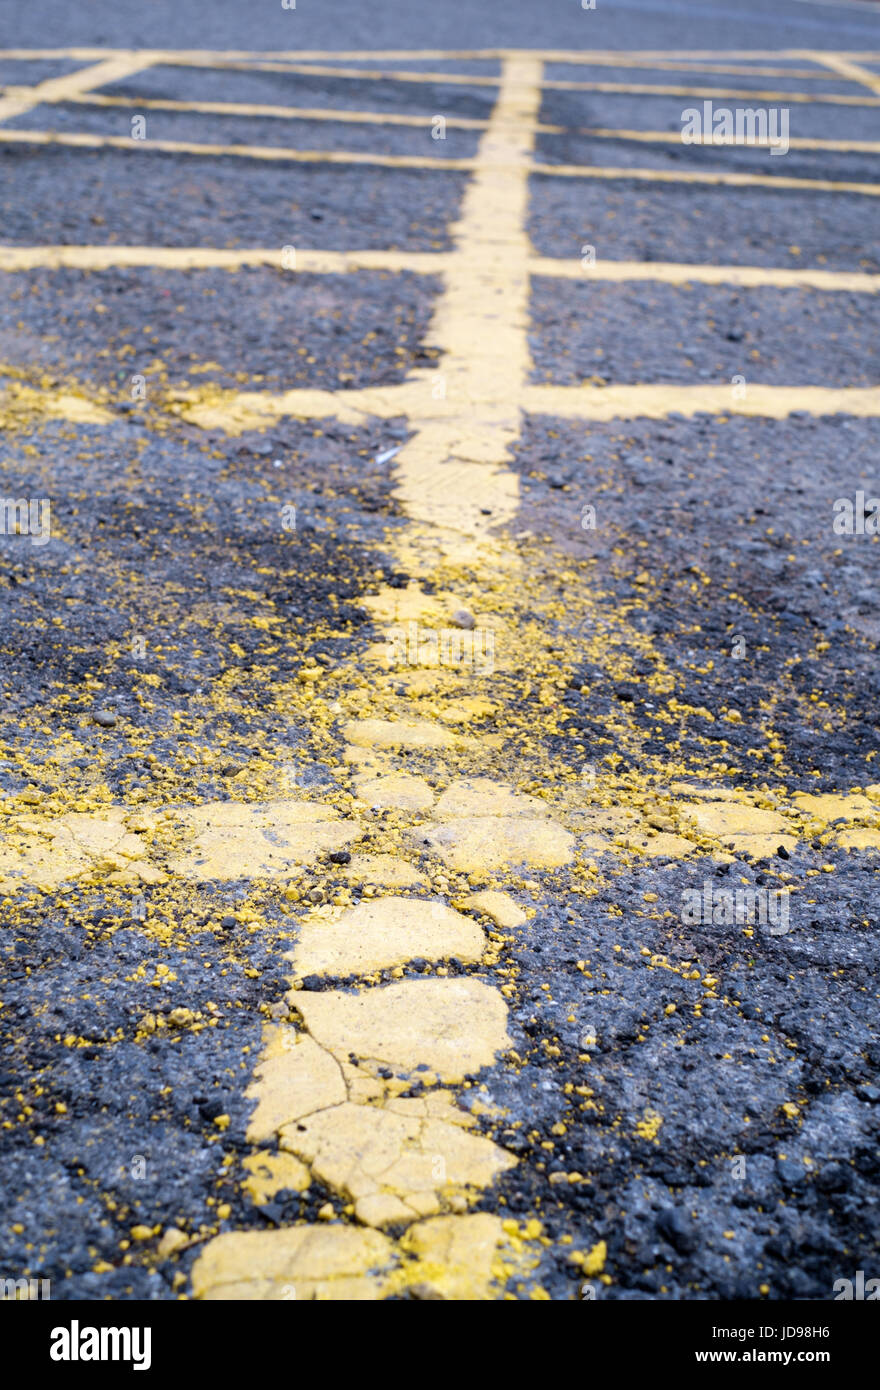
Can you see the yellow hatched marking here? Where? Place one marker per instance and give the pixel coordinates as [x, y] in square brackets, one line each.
[23, 99]
[853, 72]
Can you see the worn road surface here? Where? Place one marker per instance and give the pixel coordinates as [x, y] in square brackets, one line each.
[439, 785]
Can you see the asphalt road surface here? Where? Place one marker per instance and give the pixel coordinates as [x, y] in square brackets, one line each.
[438, 663]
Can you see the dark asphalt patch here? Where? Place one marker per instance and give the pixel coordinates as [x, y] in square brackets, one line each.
[22, 72]
[705, 530]
[704, 225]
[199, 560]
[253, 329]
[730, 1193]
[650, 332]
[186, 200]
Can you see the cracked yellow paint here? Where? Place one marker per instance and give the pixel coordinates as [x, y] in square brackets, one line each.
[20, 405]
[294, 1077]
[500, 907]
[459, 1258]
[240, 840]
[405, 733]
[483, 845]
[384, 870]
[481, 796]
[453, 1026]
[46, 852]
[387, 932]
[400, 790]
[394, 1167]
[271, 1173]
[300, 1262]
[749, 829]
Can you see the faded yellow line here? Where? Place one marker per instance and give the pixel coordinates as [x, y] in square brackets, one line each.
[853, 72]
[401, 161]
[665, 137]
[654, 402]
[233, 412]
[343, 117]
[312, 262]
[453, 474]
[671, 64]
[729, 180]
[679, 273]
[24, 99]
[292, 113]
[750, 93]
[456, 79]
[475, 80]
[268, 152]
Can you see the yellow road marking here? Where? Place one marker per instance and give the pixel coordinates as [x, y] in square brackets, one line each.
[402, 161]
[730, 180]
[342, 117]
[480, 324]
[61, 88]
[664, 137]
[313, 262]
[680, 273]
[291, 113]
[750, 93]
[653, 402]
[270, 152]
[308, 261]
[481, 80]
[853, 72]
